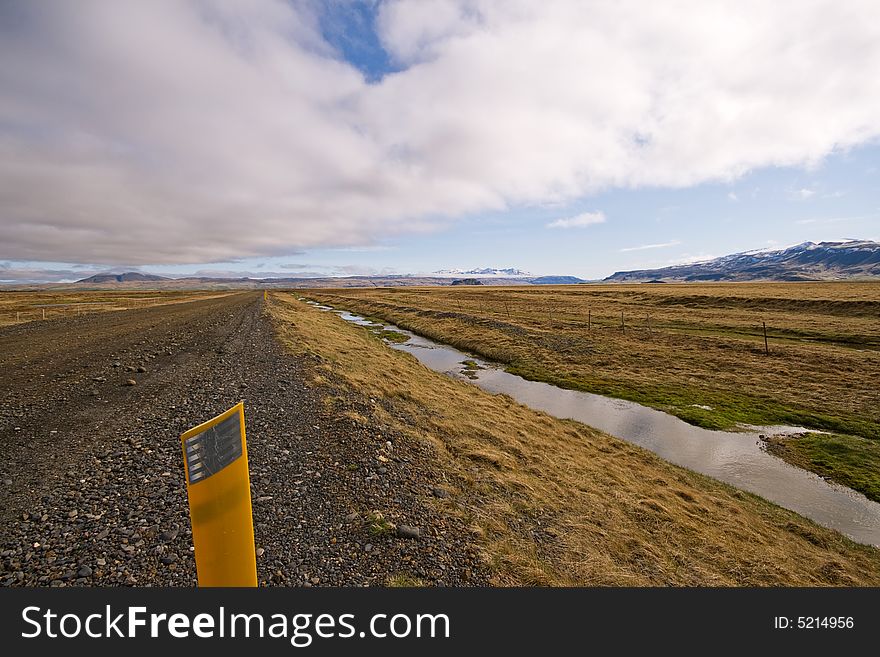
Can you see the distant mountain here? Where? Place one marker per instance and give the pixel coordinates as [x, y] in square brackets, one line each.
[142, 281]
[466, 281]
[509, 273]
[809, 261]
[556, 280]
[137, 280]
[127, 277]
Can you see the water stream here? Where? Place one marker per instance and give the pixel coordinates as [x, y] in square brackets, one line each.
[734, 457]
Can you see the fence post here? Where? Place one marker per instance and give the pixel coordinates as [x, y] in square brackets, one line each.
[589, 320]
[766, 345]
[622, 323]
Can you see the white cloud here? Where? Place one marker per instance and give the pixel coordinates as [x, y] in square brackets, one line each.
[803, 194]
[732, 196]
[373, 248]
[170, 132]
[645, 247]
[245, 273]
[362, 270]
[579, 221]
[11, 274]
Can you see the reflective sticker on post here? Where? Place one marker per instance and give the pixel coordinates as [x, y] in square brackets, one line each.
[212, 450]
[219, 492]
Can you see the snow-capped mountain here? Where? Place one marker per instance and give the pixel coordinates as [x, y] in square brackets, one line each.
[803, 262]
[489, 271]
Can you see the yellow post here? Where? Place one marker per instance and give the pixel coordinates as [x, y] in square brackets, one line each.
[218, 487]
[265, 294]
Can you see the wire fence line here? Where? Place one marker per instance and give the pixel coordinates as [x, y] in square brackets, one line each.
[637, 323]
[50, 311]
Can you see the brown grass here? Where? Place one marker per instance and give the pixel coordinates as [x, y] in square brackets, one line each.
[681, 345]
[18, 307]
[557, 503]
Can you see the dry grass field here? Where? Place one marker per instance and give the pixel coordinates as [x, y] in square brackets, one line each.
[680, 348]
[17, 307]
[555, 502]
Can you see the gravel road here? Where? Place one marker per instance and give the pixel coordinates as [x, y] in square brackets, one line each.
[91, 483]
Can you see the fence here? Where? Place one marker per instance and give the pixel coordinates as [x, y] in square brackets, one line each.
[636, 324]
[65, 310]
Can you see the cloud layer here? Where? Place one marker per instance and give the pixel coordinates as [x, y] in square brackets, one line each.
[172, 132]
[646, 247]
[579, 221]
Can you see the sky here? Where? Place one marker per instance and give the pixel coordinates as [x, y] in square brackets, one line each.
[567, 137]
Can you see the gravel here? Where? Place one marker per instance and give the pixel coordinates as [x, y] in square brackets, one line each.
[102, 500]
[405, 531]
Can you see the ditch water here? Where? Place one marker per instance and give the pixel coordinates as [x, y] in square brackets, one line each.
[736, 458]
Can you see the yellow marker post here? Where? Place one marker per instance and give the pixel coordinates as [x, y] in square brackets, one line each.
[265, 294]
[218, 486]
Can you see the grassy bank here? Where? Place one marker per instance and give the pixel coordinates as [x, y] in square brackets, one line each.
[555, 502]
[848, 460]
[678, 348]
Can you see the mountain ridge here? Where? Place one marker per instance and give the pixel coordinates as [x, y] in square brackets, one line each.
[511, 272]
[807, 261]
[127, 277]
